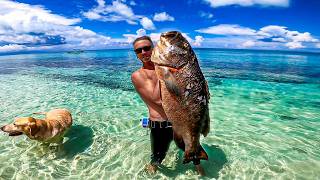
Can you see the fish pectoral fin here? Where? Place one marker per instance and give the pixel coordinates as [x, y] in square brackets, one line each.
[200, 154]
[172, 87]
[166, 74]
[207, 90]
[206, 123]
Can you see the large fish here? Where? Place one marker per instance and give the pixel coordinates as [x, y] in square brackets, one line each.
[184, 93]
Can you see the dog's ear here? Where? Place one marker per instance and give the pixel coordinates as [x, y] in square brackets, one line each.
[31, 123]
[21, 121]
[30, 131]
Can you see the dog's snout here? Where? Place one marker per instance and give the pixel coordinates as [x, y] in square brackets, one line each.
[2, 128]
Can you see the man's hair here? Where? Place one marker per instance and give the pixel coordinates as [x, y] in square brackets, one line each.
[142, 38]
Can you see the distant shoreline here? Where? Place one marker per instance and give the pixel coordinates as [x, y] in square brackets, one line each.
[204, 48]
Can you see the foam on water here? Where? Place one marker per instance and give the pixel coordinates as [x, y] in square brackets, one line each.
[264, 116]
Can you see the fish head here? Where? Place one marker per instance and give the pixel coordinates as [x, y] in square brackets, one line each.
[173, 50]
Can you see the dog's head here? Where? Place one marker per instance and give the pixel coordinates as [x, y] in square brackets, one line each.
[22, 125]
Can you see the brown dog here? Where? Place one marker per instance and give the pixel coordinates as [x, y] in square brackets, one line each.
[50, 130]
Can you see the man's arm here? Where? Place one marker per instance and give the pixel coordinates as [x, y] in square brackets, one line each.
[145, 89]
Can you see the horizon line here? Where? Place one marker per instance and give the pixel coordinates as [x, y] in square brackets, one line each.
[308, 51]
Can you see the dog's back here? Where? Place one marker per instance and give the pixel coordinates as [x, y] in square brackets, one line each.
[59, 120]
[50, 129]
[62, 116]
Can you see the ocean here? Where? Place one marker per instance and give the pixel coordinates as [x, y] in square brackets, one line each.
[264, 109]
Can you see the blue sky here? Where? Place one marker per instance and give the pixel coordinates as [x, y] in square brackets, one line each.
[39, 25]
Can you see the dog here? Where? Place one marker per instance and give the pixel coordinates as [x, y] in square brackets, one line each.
[49, 130]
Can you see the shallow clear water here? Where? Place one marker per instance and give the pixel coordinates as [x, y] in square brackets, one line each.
[264, 108]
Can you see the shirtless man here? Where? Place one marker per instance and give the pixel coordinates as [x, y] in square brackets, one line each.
[146, 84]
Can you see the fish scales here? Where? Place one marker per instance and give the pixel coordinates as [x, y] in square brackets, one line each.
[184, 93]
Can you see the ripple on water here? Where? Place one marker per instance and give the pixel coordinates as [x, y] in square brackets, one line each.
[263, 120]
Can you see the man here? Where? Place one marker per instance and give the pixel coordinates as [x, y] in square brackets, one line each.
[146, 84]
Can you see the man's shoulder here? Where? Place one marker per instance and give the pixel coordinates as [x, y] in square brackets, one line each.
[137, 75]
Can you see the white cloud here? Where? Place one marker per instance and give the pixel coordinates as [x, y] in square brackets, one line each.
[115, 12]
[12, 12]
[118, 11]
[318, 45]
[141, 32]
[248, 44]
[11, 48]
[147, 23]
[92, 15]
[228, 29]
[218, 3]
[198, 40]
[272, 30]
[272, 36]
[206, 15]
[279, 40]
[156, 37]
[162, 17]
[294, 45]
[292, 39]
[281, 31]
[31, 27]
[23, 18]
[19, 38]
[132, 3]
[238, 42]
[132, 37]
[304, 37]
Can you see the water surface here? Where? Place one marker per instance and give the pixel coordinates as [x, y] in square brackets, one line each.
[264, 108]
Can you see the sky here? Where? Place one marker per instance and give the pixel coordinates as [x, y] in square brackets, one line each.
[62, 25]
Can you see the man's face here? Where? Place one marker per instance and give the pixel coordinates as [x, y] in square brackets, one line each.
[143, 50]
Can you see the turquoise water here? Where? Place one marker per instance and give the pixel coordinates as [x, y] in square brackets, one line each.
[264, 108]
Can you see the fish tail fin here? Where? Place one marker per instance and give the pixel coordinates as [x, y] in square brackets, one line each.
[190, 156]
